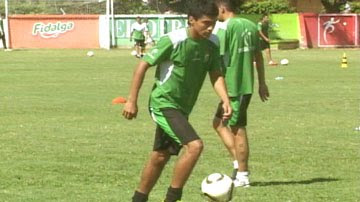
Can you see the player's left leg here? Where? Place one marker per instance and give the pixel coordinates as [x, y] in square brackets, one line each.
[226, 136]
[142, 48]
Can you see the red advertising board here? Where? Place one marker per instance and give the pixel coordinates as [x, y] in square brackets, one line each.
[309, 30]
[358, 30]
[54, 31]
[336, 30]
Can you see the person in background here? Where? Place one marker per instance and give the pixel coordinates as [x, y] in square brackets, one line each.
[263, 27]
[239, 47]
[148, 39]
[138, 30]
[2, 33]
[183, 58]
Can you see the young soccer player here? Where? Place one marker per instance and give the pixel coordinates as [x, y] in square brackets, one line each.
[138, 30]
[239, 41]
[183, 58]
[263, 28]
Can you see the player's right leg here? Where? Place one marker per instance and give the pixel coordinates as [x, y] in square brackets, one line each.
[178, 133]
[151, 174]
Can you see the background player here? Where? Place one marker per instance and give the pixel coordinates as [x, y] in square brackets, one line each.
[239, 47]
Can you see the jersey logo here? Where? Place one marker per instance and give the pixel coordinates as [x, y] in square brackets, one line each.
[246, 37]
[206, 57]
[196, 56]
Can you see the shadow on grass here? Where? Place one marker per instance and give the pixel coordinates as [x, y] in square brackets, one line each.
[311, 181]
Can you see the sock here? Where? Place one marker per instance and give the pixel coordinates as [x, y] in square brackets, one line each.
[242, 174]
[173, 194]
[140, 197]
[236, 164]
[235, 170]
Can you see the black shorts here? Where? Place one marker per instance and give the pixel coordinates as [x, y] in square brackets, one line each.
[172, 131]
[140, 42]
[264, 45]
[239, 106]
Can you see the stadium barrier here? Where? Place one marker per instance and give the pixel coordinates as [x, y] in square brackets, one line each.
[95, 31]
[54, 31]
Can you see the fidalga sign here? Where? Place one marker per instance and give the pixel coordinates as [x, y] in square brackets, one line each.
[52, 30]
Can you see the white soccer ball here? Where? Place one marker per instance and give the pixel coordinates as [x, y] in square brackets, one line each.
[284, 62]
[216, 187]
[133, 52]
[90, 53]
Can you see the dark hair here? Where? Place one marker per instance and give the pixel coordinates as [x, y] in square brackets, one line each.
[230, 5]
[263, 16]
[200, 8]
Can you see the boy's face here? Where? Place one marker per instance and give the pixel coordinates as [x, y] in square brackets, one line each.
[202, 27]
[266, 19]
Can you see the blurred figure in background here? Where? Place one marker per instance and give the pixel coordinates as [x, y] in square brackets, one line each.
[263, 27]
[138, 30]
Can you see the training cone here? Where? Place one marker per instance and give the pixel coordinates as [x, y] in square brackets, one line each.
[344, 63]
[118, 100]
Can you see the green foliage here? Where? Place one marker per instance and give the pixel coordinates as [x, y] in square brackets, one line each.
[132, 7]
[264, 7]
[355, 7]
[333, 6]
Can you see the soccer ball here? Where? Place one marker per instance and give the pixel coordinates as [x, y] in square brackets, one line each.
[90, 53]
[133, 52]
[284, 62]
[217, 187]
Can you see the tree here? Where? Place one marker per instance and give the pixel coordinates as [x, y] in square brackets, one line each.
[333, 6]
[181, 6]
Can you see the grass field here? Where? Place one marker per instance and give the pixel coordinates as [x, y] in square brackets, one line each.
[62, 140]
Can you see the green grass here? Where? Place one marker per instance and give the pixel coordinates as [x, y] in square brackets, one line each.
[62, 140]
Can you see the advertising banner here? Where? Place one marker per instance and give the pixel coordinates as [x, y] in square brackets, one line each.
[337, 30]
[54, 31]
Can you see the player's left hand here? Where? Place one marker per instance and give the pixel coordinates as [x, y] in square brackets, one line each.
[264, 92]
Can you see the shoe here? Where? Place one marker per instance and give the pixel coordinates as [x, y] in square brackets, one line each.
[138, 56]
[242, 182]
[272, 63]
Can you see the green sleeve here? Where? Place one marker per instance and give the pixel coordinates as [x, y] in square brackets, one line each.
[159, 53]
[259, 26]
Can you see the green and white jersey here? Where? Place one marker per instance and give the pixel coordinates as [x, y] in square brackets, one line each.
[138, 31]
[239, 40]
[182, 64]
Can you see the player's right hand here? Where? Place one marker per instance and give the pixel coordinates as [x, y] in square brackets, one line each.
[130, 110]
